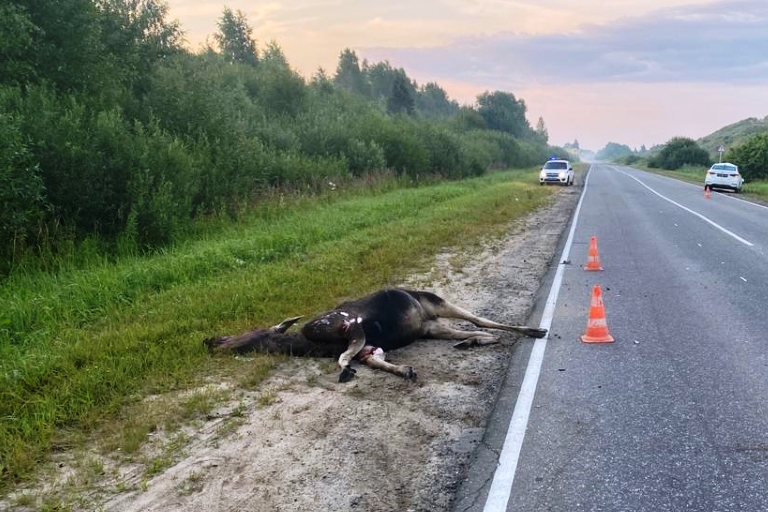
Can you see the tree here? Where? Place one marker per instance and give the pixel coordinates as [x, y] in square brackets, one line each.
[380, 78]
[65, 49]
[504, 113]
[348, 73]
[321, 81]
[401, 100]
[90, 48]
[468, 119]
[137, 36]
[680, 151]
[17, 32]
[613, 151]
[541, 131]
[234, 38]
[281, 90]
[433, 102]
[274, 55]
[751, 157]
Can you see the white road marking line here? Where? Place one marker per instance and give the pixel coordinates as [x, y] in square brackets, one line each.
[504, 476]
[697, 214]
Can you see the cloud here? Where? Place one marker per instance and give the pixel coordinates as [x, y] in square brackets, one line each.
[721, 42]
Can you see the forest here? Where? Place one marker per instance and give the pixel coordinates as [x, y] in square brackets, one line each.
[117, 140]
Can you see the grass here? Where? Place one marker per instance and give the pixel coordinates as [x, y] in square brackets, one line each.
[80, 347]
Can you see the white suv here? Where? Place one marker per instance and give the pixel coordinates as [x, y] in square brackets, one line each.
[556, 171]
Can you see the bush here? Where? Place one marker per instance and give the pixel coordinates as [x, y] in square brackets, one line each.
[84, 157]
[479, 152]
[161, 186]
[678, 152]
[444, 150]
[751, 157]
[21, 193]
[404, 149]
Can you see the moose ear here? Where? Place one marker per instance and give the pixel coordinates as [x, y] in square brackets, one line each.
[285, 324]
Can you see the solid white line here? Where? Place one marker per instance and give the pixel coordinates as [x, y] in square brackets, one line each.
[504, 476]
[697, 214]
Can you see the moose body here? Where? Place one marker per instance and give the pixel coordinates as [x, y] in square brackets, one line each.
[366, 328]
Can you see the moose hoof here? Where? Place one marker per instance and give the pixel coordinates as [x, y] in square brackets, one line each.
[462, 345]
[409, 374]
[346, 374]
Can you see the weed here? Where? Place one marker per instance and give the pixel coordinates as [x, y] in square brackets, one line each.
[157, 465]
[192, 484]
[267, 397]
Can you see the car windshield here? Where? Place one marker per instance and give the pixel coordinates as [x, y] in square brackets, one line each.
[725, 167]
[556, 165]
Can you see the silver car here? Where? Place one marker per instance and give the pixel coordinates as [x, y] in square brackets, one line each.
[724, 175]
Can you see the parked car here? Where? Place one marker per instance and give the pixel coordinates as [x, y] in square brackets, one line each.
[556, 171]
[724, 175]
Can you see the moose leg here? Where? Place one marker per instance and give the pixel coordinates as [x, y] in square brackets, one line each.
[354, 332]
[436, 330]
[373, 357]
[444, 309]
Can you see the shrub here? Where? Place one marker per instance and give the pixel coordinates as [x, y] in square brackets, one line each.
[444, 150]
[751, 157]
[21, 192]
[680, 151]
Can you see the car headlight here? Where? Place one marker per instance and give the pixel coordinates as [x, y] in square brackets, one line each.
[561, 175]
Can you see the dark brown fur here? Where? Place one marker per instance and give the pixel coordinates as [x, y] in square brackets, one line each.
[366, 328]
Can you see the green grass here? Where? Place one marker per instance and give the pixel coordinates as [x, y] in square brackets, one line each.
[79, 348]
[757, 189]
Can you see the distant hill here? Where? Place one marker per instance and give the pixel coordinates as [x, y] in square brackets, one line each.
[734, 134]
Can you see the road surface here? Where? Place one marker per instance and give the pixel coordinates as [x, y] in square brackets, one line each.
[673, 415]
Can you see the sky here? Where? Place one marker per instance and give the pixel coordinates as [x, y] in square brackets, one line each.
[633, 72]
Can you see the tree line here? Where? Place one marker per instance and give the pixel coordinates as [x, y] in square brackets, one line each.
[750, 155]
[114, 135]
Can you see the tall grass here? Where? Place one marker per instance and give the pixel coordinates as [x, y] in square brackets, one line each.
[758, 189]
[79, 346]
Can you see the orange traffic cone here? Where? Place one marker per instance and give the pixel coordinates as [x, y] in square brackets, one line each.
[707, 192]
[597, 326]
[593, 258]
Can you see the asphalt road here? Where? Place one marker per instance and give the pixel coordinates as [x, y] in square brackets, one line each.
[673, 415]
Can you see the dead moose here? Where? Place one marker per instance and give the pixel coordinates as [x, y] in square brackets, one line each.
[366, 328]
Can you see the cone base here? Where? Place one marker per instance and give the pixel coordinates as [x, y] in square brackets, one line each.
[597, 339]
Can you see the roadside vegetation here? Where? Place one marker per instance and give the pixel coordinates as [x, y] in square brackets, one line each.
[115, 139]
[81, 346]
[151, 196]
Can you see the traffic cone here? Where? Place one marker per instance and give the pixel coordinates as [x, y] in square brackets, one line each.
[597, 326]
[593, 258]
[707, 192]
